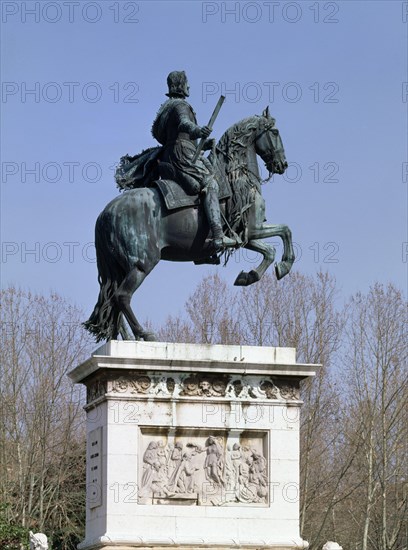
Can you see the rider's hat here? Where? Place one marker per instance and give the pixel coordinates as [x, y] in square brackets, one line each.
[177, 84]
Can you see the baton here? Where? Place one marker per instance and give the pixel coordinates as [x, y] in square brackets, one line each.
[210, 125]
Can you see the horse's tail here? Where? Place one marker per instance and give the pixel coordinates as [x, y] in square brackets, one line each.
[105, 320]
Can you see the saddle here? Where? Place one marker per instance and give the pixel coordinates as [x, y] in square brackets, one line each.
[175, 195]
[147, 170]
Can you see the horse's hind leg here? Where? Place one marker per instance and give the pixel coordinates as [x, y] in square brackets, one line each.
[268, 252]
[119, 326]
[123, 296]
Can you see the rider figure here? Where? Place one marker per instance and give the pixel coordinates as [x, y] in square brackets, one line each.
[175, 127]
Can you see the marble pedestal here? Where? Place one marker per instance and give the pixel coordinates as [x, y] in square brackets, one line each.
[192, 446]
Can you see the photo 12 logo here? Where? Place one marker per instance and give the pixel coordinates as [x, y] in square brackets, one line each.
[51, 172]
[51, 252]
[270, 12]
[272, 92]
[69, 11]
[69, 92]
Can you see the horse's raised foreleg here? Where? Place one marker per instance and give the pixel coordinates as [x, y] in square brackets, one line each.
[123, 296]
[265, 231]
[268, 252]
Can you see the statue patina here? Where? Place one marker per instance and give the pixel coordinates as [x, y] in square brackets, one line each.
[176, 129]
[170, 207]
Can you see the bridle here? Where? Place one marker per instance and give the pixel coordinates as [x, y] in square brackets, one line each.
[268, 157]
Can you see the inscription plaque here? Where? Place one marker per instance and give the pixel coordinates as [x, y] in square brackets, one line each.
[94, 462]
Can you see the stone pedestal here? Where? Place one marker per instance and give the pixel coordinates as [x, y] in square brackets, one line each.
[192, 446]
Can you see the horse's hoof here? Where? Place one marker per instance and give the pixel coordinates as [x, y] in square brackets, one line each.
[242, 279]
[281, 269]
[246, 279]
[253, 277]
[149, 337]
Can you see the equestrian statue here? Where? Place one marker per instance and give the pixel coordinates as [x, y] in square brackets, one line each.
[179, 205]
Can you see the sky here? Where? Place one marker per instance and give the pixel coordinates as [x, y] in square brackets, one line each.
[82, 82]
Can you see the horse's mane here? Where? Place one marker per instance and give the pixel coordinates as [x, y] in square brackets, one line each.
[236, 139]
[233, 148]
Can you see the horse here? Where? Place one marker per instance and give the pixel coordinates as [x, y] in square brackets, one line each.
[136, 230]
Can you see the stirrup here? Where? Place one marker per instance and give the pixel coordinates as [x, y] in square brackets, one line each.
[224, 242]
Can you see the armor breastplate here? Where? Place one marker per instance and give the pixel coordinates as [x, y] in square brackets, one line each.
[166, 126]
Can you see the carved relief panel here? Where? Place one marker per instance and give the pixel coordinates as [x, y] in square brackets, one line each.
[204, 468]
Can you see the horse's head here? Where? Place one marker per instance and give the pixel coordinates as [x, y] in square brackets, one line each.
[268, 144]
[255, 135]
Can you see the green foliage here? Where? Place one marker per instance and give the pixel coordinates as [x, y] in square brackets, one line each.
[12, 535]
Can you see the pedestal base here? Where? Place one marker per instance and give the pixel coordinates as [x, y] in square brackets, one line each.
[192, 446]
[196, 545]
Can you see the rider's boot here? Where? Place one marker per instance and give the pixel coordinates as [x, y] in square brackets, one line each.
[212, 210]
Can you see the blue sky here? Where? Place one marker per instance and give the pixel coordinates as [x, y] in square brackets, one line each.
[332, 74]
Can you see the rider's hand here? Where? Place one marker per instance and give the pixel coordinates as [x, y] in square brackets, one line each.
[209, 144]
[205, 131]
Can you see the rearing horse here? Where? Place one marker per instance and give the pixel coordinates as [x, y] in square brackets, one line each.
[136, 230]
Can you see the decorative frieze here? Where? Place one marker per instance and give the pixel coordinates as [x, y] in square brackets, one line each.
[135, 385]
[197, 385]
[203, 385]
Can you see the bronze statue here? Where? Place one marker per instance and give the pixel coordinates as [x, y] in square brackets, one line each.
[176, 129]
[169, 208]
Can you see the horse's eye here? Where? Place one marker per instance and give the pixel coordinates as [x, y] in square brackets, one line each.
[275, 132]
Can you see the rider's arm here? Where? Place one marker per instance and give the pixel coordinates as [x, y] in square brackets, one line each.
[188, 126]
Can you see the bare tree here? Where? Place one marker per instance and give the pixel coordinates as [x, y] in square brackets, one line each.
[211, 310]
[377, 379]
[211, 316]
[41, 439]
[177, 329]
